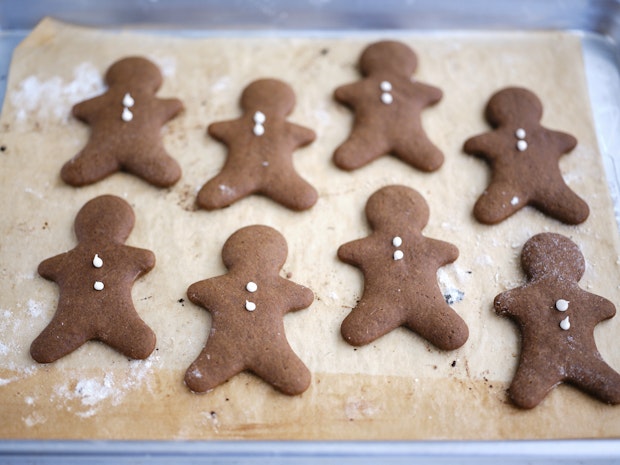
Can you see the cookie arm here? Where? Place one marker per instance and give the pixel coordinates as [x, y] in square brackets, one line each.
[350, 252]
[505, 304]
[145, 259]
[171, 107]
[565, 142]
[445, 252]
[201, 292]
[476, 146]
[299, 297]
[603, 309]
[220, 130]
[347, 93]
[432, 94]
[84, 110]
[50, 267]
[303, 135]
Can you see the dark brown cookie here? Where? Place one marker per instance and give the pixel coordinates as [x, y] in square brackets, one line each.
[95, 281]
[247, 306]
[387, 106]
[400, 274]
[260, 147]
[557, 319]
[125, 126]
[523, 156]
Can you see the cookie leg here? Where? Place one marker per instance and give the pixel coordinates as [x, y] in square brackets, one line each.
[133, 338]
[213, 366]
[364, 145]
[57, 340]
[420, 153]
[440, 326]
[532, 382]
[595, 377]
[286, 372]
[498, 202]
[88, 166]
[222, 191]
[293, 192]
[368, 321]
[563, 204]
[155, 166]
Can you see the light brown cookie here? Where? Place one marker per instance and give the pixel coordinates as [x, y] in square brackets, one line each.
[125, 126]
[247, 306]
[400, 274]
[260, 147]
[523, 156]
[95, 280]
[387, 106]
[557, 319]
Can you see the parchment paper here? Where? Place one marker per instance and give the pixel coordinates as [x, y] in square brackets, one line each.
[399, 387]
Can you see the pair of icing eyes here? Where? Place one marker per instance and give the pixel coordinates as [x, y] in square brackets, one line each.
[259, 121]
[128, 102]
[250, 287]
[98, 263]
[521, 142]
[561, 305]
[386, 89]
[397, 241]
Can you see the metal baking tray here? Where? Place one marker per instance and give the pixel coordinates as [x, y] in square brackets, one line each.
[597, 22]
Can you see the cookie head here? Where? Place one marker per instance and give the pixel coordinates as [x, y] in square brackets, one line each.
[108, 217]
[393, 205]
[388, 57]
[552, 254]
[134, 73]
[512, 106]
[270, 96]
[257, 247]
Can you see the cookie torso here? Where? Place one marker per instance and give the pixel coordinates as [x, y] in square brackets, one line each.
[126, 124]
[247, 306]
[260, 148]
[524, 159]
[400, 274]
[557, 319]
[95, 281]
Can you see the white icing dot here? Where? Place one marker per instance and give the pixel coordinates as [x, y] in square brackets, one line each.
[97, 261]
[397, 241]
[128, 101]
[258, 129]
[521, 145]
[520, 133]
[98, 286]
[387, 98]
[259, 117]
[127, 115]
[250, 306]
[386, 86]
[561, 305]
[565, 324]
[398, 255]
[251, 286]
[514, 200]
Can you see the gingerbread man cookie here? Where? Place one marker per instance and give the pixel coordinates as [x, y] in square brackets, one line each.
[247, 306]
[95, 281]
[260, 146]
[400, 266]
[524, 158]
[125, 126]
[557, 319]
[388, 106]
